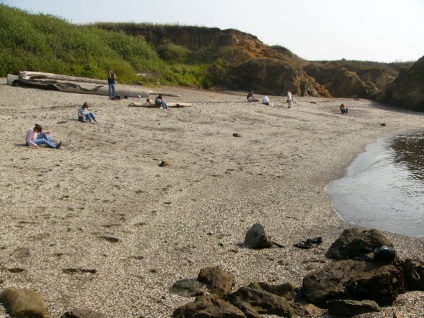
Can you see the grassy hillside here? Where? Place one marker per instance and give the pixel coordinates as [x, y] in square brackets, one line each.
[48, 44]
[178, 55]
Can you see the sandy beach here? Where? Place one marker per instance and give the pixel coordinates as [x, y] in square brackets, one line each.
[99, 224]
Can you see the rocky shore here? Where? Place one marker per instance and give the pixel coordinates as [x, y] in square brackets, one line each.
[103, 224]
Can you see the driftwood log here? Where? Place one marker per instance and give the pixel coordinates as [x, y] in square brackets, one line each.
[28, 75]
[70, 84]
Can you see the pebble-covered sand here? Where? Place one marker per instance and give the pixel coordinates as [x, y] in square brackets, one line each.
[100, 225]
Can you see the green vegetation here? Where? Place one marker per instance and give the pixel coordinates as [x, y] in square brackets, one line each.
[166, 54]
[46, 43]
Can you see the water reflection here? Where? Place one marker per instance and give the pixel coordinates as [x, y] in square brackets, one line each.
[384, 187]
[409, 150]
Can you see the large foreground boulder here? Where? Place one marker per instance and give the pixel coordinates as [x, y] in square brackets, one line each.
[356, 280]
[357, 243]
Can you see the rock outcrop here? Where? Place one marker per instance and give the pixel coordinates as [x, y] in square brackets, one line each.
[356, 280]
[407, 90]
[356, 243]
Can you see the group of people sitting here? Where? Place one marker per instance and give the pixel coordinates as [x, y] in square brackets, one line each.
[36, 136]
[265, 99]
[290, 101]
[159, 102]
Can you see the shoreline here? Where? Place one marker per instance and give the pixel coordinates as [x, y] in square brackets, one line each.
[365, 180]
[59, 205]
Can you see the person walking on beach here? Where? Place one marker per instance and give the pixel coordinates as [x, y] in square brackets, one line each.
[36, 137]
[111, 81]
[289, 99]
[85, 115]
[160, 102]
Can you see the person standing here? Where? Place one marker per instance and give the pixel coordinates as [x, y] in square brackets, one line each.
[111, 81]
[289, 99]
[36, 137]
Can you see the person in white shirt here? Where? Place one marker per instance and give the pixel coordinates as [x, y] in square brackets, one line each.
[289, 99]
[265, 100]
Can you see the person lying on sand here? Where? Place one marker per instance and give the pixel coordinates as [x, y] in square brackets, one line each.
[36, 137]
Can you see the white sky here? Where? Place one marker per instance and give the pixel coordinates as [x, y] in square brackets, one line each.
[372, 30]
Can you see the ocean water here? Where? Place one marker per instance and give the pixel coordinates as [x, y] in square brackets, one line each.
[384, 187]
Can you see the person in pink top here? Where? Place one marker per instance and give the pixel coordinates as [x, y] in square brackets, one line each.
[36, 137]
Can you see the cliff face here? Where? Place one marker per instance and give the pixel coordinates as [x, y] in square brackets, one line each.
[351, 79]
[241, 61]
[245, 62]
[407, 90]
[274, 77]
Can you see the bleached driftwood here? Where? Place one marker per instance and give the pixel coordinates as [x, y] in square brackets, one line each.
[153, 105]
[68, 86]
[28, 75]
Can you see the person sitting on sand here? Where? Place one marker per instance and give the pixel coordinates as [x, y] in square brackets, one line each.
[36, 137]
[265, 100]
[160, 102]
[344, 110]
[251, 98]
[85, 115]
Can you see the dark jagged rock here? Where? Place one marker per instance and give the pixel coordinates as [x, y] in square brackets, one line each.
[414, 274]
[200, 303]
[256, 237]
[187, 288]
[254, 302]
[357, 243]
[220, 309]
[284, 290]
[217, 281]
[349, 307]
[82, 313]
[356, 280]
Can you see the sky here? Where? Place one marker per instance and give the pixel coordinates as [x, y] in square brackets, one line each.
[364, 30]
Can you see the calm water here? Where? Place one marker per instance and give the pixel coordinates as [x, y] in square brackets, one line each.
[384, 187]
